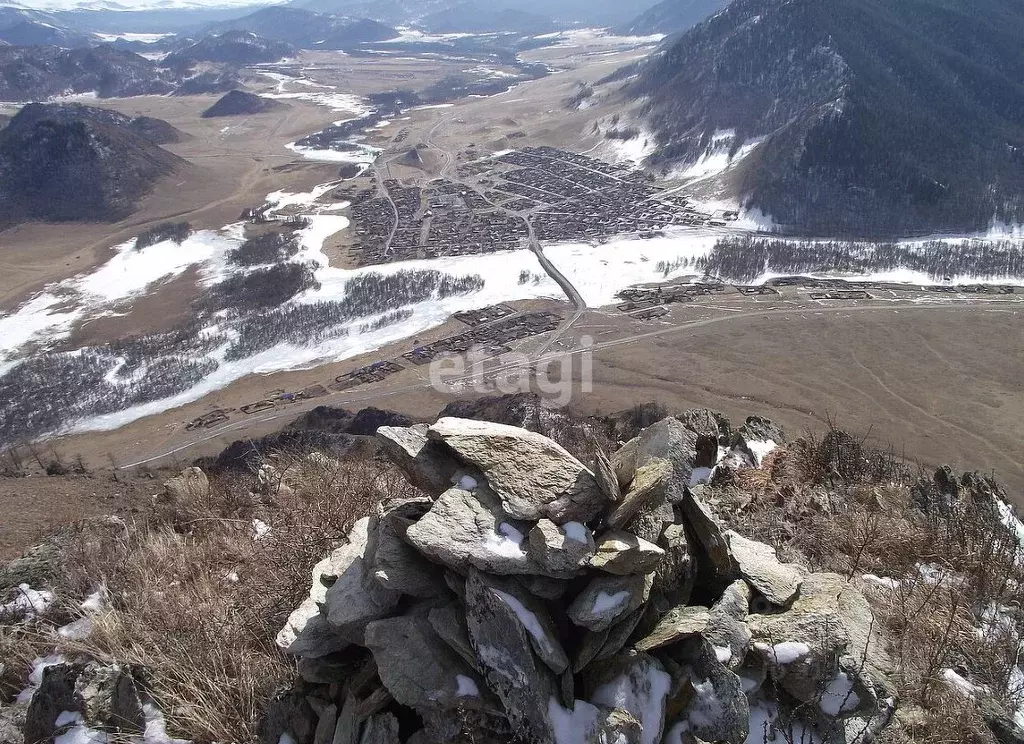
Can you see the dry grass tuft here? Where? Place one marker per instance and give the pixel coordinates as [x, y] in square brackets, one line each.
[197, 598]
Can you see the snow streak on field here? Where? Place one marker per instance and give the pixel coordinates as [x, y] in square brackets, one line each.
[601, 272]
[51, 315]
[500, 273]
[322, 95]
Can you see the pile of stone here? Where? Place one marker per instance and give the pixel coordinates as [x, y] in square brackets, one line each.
[528, 597]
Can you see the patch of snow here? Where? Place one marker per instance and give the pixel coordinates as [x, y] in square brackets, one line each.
[999, 230]
[600, 272]
[35, 677]
[576, 532]
[507, 542]
[723, 654]
[490, 73]
[701, 475]
[644, 700]
[789, 652]
[767, 726]
[500, 272]
[1009, 518]
[883, 582]
[936, 575]
[706, 709]
[599, 37]
[962, 685]
[574, 726]
[528, 620]
[68, 718]
[609, 602]
[286, 738]
[466, 687]
[1016, 689]
[635, 150]
[468, 483]
[677, 734]
[156, 727]
[260, 529]
[749, 684]
[761, 450]
[50, 315]
[511, 533]
[414, 36]
[839, 697]
[326, 96]
[28, 603]
[82, 628]
[77, 630]
[142, 38]
[365, 155]
[95, 602]
[282, 200]
[716, 159]
[80, 734]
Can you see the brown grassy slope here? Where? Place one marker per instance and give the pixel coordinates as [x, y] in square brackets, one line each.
[197, 599]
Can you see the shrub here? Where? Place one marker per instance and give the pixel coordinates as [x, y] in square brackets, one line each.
[270, 248]
[177, 232]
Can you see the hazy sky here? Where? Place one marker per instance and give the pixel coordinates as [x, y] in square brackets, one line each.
[128, 4]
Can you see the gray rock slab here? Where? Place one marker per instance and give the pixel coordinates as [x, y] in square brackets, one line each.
[466, 530]
[649, 486]
[607, 480]
[624, 554]
[357, 599]
[426, 465]
[418, 668]
[533, 476]
[760, 565]
[523, 683]
[531, 614]
[679, 624]
[561, 551]
[395, 564]
[608, 599]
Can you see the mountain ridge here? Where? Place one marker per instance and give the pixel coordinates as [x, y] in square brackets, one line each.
[671, 17]
[867, 115]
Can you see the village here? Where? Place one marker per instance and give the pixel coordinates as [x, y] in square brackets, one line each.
[502, 202]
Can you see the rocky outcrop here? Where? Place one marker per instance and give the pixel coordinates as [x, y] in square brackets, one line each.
[516, 599]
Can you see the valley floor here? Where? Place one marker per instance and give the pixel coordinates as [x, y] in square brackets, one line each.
[936, 372]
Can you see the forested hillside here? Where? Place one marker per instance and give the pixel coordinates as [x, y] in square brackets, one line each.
[877, 116]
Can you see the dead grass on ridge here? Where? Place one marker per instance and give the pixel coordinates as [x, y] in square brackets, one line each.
[197, 600]
[935, 580]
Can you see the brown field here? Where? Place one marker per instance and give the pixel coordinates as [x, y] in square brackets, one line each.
[939, 383]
